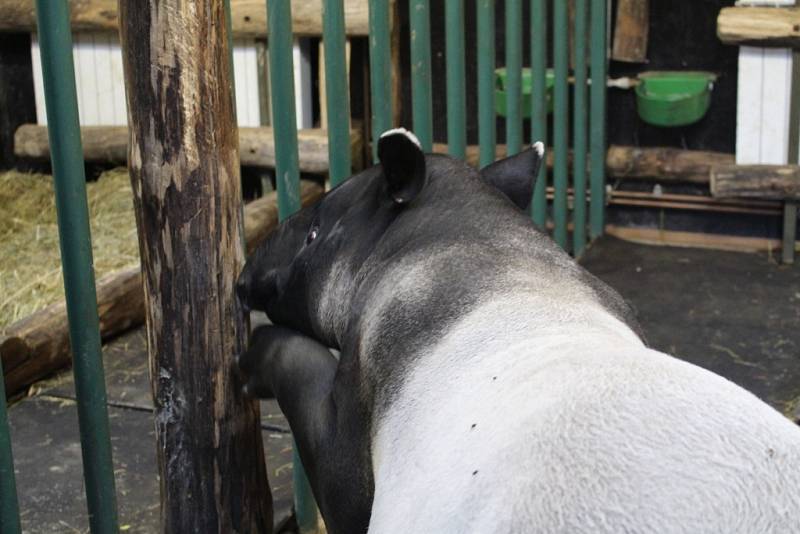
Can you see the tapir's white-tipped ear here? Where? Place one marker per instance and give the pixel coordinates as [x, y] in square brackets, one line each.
[403, 164]
[516, 175]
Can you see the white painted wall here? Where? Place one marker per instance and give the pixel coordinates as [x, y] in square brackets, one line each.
[764, 94]
[101, 85]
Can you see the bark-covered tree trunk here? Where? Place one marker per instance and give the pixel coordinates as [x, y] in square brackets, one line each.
[184, 166]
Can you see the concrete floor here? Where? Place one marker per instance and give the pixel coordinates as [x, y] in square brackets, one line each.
[736, 314]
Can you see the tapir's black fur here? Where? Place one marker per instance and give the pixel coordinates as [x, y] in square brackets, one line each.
[410, 207]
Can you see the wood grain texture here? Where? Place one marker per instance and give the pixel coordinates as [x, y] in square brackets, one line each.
[631, 30]
[184, 167]
[760, 26]
[38, 345]
[664, 163]
[647, 163]
[109, 144]
[249, 17]
[778, 182]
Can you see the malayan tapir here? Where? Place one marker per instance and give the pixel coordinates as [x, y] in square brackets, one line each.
[486, 382]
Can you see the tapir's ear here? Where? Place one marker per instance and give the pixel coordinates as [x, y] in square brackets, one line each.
[516, 175]
[403, 164]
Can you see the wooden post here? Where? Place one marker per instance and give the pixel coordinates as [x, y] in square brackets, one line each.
[631, 31]
[184, 166]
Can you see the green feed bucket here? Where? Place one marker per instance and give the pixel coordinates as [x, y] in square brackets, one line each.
[500, 91]
[673, 98]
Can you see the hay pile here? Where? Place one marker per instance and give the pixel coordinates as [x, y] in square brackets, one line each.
[30, 261]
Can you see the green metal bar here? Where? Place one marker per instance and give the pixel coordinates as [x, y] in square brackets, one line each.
[284, 120]
[456, 97]
[539, 102]
[287, 180]
[513, 76]
[597, 120]
[579, 131]
[560, 121]
[305, 507]
[61, 101]
[789, 231]
[9, 507]
[789, 206]
[419, 16]
[380, 62]
[337, 95]
[486, 116]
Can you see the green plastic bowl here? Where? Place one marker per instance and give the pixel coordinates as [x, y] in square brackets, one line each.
[500, 92]
[665, 98]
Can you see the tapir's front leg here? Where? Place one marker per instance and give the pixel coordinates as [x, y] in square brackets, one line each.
[325, 420]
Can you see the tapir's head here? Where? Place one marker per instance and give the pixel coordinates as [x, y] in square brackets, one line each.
[303, 274]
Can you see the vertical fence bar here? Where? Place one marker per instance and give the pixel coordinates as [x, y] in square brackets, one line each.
[560, 120]
[597, 120]
[419, 17]
[513, 76]
[539, 102]
[9, 507]
[287, 180]
[287, 175]
[61, 101]
[338, 97]
[380, 62]
[579, 127]
[486, 116]
[456, 98]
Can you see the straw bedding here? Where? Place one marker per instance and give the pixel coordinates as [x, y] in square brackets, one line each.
[30, 261]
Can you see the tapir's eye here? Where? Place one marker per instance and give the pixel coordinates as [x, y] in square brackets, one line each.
[312, 234]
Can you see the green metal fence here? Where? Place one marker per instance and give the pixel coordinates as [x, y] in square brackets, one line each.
[588, 129]
[76, 258]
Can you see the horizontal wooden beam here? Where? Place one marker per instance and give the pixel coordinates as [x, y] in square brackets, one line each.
[663, 163]
[109, 144]
[777, 182]
[760, 26]
[249, 17]
[673, 238]
[38, 345]
[646, 163]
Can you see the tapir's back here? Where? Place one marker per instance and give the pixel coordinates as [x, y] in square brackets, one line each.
[577, 429]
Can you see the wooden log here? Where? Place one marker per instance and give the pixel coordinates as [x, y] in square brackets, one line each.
[38, 345]
[663, 163]
[184, 167]
[760, 26]
[248, 17]
[631, 31]
[646, 163]
[109, 144]
[777, 182]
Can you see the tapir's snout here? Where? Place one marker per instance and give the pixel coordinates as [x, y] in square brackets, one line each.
[243, 292]
[255, 290]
